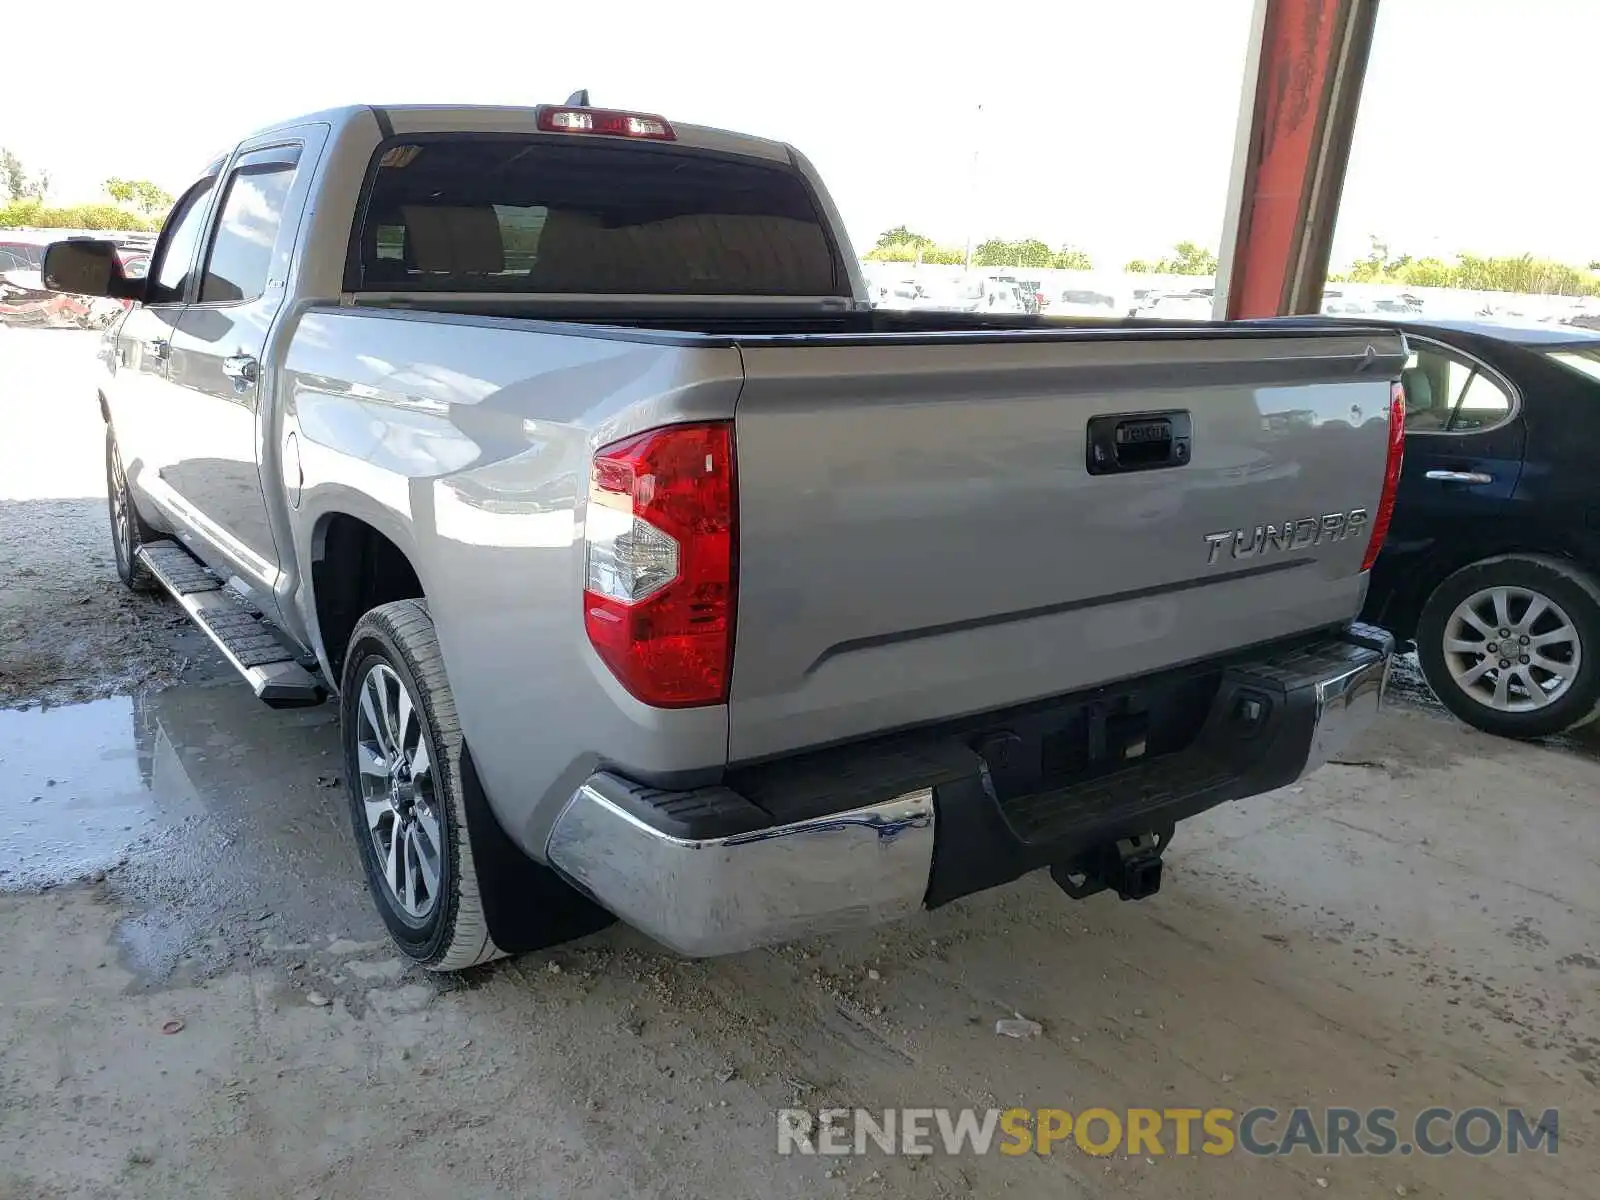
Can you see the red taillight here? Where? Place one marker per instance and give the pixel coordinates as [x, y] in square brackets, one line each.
[605, 121]
[1391, 474]
[660, 583]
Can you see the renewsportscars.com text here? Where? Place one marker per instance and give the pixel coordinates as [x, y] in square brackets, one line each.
[1167, 1131]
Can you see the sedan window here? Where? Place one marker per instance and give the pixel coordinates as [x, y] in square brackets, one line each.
[1584, 360]
[1483, 403]
[1449, 393]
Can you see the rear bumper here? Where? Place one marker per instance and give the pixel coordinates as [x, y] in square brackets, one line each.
[877, 832]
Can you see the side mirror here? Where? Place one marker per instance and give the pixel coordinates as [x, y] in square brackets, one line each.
[87, 267]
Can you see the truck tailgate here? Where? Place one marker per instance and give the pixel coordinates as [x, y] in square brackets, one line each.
[921, 535]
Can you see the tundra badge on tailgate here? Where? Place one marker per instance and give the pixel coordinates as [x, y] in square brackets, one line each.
[1291, 535]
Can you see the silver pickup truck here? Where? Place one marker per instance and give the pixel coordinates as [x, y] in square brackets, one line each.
[659, 577]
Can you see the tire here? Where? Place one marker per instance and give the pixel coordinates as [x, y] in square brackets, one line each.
[128, 528]
[1568, 626]
[446, 929]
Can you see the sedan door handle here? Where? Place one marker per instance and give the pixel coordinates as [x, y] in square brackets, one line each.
[1459, 477]
[240, 368]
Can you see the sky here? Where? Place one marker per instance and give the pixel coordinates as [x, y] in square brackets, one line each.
[1108, 125]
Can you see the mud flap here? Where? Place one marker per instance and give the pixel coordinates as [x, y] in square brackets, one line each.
[528, 906]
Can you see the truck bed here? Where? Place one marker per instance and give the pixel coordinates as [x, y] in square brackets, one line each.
[919, 532]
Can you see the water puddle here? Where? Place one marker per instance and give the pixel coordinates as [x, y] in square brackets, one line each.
[223, 824]
[75, 795]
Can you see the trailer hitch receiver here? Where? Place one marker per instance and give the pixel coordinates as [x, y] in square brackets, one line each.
[1130, 866]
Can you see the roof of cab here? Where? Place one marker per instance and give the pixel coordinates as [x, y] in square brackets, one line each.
[484, 118]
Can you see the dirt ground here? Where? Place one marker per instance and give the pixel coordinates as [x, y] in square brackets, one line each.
[1413, 926]
[55, 555]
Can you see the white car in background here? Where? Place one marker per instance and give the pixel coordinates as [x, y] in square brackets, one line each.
[1177, 306]
[985, 295]
[902, 295]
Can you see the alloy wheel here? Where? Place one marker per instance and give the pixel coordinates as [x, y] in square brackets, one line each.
[398, 791]
[1512, 649]
[120, 519]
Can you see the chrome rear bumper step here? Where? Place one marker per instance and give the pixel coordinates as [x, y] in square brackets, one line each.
[921, 824]
[245, 640]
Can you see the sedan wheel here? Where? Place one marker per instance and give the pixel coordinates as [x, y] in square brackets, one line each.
[1512, 648]
[1512, 645]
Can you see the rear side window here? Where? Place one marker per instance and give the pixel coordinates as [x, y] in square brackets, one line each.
[528, 214]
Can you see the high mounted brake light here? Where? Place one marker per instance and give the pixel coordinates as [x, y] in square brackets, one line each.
[607, 122]
[1391, 474]
[660, 581]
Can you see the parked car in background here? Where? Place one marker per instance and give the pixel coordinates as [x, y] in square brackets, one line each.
[1492, 562]
[1033, 300]
[17, 255]
[1177, 306]
[1139, 297]
[135, 258]
[987, 294]
[904, 294]
[1080, 302]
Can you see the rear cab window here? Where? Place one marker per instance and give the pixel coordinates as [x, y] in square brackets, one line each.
[538, 214]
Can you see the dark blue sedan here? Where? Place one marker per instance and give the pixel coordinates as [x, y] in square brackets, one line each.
[1492, 563]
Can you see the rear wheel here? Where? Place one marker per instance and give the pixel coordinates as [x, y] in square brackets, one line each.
[128, 528]
[1512, 645]
[402, 743]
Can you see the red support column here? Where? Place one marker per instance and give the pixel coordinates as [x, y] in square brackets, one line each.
[1302, 89]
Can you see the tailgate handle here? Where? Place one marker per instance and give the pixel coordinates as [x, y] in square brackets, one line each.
[1121, 442]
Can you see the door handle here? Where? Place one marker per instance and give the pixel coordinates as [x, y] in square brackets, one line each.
[240, 368]
[1459, 477]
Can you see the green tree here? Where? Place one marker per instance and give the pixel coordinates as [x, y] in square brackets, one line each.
[997, 252]
[1137, 266]
[140, 194]
[1070, 258]
[34, 214]
[1428, 272]
[901, 236]
[1377, 266]
[1191, 259]
[1031, 252]
[993, 253]
[12, 175]
[922, 251]
[1472, 272]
